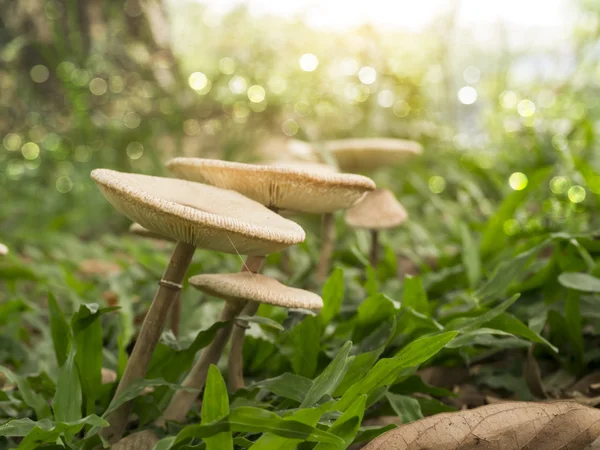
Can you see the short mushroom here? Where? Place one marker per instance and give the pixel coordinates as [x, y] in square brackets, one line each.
[195, 215]
[285, 187]
[366, 154]
[236, 289]
[376, 211]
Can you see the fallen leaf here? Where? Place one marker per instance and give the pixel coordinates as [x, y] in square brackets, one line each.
[142, 440]
[564, 425]
[98, 267]
[586, 384]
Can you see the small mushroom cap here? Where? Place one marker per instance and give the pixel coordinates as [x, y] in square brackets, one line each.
[3, 249]
[371, 153]
[138, 230]
[205, 216]
[142, 440]
[291, 188]
[243, 286]
[377, 210]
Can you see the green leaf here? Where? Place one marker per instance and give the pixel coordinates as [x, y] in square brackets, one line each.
[60, 330]
[45, 431]
[470, 256]
[580, 281]
[407, 408]
[330, 378]
[415, 383]
[414, 295]
[386, 370]
[215, 406]
[87, 330]
[509, 323]
[306, 337]
[67, 400]
[346, 426]
[333, 294]
[30, 397]
[261, 320]
[574, 327]
[287, 385]
[467, 325]
[494, 237]
[371, 284]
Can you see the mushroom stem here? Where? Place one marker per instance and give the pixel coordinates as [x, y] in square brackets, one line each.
[327, 246]
[175, 316]
[235, 365]
[182, 400]
[374, 256]
[136, 368]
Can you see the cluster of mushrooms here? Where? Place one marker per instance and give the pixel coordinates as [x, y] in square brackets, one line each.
[235, 208]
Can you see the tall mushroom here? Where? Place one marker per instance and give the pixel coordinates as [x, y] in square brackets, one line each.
[236, 289]
[376, 211]
[278, 187]
[195, 215]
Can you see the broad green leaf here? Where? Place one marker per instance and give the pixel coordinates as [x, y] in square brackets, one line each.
[287, 385]
[60, 330]
[371, 283]
[346, 426]
[215, 406]
[87, 331]
[386, 370]
[270, 441]
[470, 256]
[580, 281]
[165, 443]
[306, 338]
[67, 400]
[30, 397]
[414, 295]
[329, 379]
[431, 406]
[407, 408]
[509, 323]
[367, 434]
[472, 324]
[415, 383]
[45, 431]
[480, 336]
[333, 294]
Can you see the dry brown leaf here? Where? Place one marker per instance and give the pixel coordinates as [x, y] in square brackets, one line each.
[142, 440]
[587, 384]
[563, 425]
[98, 267]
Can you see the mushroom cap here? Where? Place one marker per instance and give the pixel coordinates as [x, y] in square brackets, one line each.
[243, 286]
[292, 188]
[3, 249]
[371, 153]
[377, 210]
[305, 165]
[138, 230]
[205, 216]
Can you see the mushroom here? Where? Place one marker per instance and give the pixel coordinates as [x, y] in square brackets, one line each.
[142, 440]
[195, 215]
[296, 188]
[237, 289]
[3, 249]
[360, 155]
[138, 230]
[377, 210]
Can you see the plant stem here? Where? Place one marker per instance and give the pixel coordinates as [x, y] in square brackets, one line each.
[327, 246]
[235, 374]
[150, 332]
[183, 400]
[374, 257]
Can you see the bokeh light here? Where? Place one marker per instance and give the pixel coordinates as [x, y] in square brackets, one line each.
[30, 150]
[559, 185]
[198, 81]
[64, 184]
[467, 95]
[437, 184]
[238, 84]
[518, 181]
[367, 75]
[256, 93]
[135, 150]
[308, 62]
[508, 99]
[39, 73]
[526, 108]
[576, 194]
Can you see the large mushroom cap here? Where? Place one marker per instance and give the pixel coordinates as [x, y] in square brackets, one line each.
[304, 165]
[243, 286]
[371, 153]
[290, 188]
[138, 230]
[377, 210]
[205, 216]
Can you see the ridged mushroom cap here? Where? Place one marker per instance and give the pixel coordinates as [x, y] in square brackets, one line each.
[243, 286]
[366, 154]
[138, 230]
[295, 189]
[377, 210]
[142, 440]
[3, 249]
[305, 165]
[205, 216]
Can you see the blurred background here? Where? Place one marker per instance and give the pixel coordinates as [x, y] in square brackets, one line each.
[502, 95]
